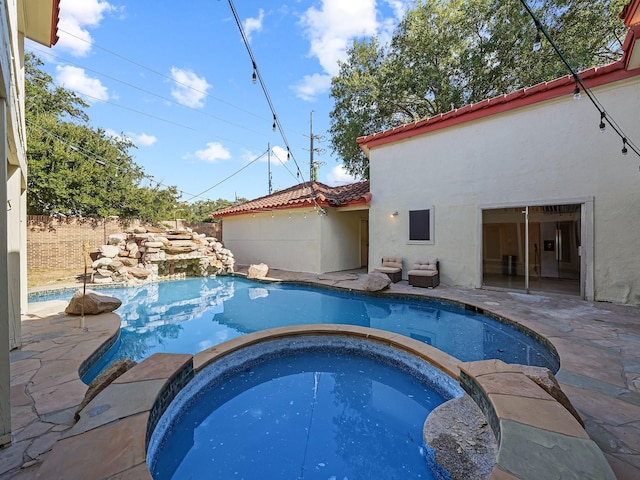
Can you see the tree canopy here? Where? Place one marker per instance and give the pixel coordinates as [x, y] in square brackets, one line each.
[76, 170]
[446, 54]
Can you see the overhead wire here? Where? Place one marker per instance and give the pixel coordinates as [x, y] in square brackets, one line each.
[604, 115]
[149, 69]
[290, 153]
[103, 160]
[230, 176]
[257, 75]
[167, 99]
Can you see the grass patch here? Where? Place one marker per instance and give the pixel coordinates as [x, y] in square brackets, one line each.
[42, 277]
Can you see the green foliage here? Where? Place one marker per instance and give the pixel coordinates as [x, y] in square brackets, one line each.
[449, 53]
[201, 210]
[75, 170]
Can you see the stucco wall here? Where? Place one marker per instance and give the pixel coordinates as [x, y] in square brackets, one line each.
[298, 240]
[12, 212]
[341, 240]
[552, 152]
[287, 240]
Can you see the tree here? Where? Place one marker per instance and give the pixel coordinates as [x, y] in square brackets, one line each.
[76, 170]
[446, 54]
[200, 211]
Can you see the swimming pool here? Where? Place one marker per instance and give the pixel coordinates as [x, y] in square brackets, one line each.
[188, 316]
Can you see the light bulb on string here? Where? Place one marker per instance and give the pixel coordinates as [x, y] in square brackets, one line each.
[254, 75]
[576, 92]
[602, 125]
[537, 42]
[273, 127]
[624, 146]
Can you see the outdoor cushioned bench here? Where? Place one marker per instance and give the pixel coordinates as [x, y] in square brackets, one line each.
[392, 267]
[425, 273]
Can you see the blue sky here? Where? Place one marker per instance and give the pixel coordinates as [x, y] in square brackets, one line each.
[176, 78]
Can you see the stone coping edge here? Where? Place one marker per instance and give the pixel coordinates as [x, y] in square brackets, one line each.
[442, 361]
[122, 432]
[537, 436]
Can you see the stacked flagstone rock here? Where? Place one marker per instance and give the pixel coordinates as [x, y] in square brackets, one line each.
[143, 255]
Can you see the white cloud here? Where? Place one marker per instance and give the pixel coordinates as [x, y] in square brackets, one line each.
[331, 29]
[339, 176]
[334, 25]
[189, 89]
[280, 155]
[76, 16]
[139, 139]
[214, 152]
[74, 78]
[253, 24]
[143, 139]
[312, 85]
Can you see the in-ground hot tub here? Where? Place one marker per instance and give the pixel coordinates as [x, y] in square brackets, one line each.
[313, 406]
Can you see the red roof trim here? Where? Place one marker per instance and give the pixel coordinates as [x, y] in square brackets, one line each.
[55, 18]
[527, 96]
[631, 13]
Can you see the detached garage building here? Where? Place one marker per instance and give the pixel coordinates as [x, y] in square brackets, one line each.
[309, 227]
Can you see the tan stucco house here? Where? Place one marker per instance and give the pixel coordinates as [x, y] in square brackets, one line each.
[310, 227]
[522, 191]
[19, 19]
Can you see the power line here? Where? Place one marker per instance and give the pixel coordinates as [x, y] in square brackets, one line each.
[232, 175]
[149, 92]
[257, 76]
[101, 160]
[289, 151]
[149, 69]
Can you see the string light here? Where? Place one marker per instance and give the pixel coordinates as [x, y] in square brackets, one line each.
[254, 75]
[276, 123]
[580, 84]
[603, 126]
[537, 42]
[576, 92]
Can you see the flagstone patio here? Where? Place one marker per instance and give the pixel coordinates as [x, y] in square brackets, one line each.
[598, 344]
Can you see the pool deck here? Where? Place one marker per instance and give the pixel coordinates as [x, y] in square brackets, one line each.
[598, 344]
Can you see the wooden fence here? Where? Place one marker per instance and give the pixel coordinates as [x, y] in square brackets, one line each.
[58, 242]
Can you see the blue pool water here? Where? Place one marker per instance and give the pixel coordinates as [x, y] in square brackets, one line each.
[188, 316]
[315, 415]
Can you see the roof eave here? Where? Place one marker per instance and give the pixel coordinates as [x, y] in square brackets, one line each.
[631, 13]
[38, 20]
[627, 66]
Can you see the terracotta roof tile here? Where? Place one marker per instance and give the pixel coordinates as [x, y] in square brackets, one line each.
[302, 195]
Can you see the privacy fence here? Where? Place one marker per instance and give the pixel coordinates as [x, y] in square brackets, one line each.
[54, 242]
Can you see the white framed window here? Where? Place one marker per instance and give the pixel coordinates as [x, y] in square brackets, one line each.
[421, 226]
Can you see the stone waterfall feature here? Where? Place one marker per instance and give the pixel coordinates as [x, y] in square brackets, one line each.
[148, 255]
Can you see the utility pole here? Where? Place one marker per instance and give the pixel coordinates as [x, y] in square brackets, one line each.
[313, 165]
[312, 170]
[269, 165]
